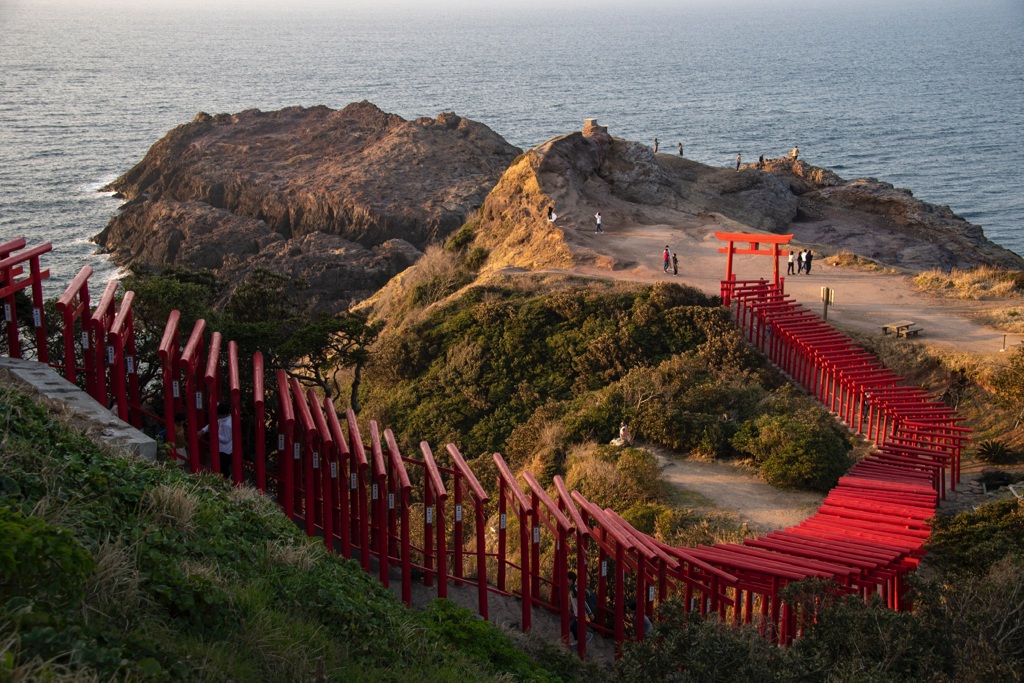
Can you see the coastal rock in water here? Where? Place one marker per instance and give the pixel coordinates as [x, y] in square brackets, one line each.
[226, 190]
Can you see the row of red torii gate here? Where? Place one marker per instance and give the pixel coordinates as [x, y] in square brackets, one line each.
[421, 517]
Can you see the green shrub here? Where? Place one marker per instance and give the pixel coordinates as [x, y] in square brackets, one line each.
[479, 640]
[475, 258]
[971, 542]
[799, 449]
[40, 561]
[995, 452]
[459, 239]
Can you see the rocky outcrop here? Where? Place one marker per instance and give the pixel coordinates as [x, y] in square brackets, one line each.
[874, 219]
[584, 172]
[590, 171]
[344, 200]
[229, 192]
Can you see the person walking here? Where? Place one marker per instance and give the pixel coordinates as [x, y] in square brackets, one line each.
[680, 149]
[666, 257]
[807, 262]
[737, 161]
[574, 609]
[789, 264]
[655, 145]
[675, 264]
[597, 222]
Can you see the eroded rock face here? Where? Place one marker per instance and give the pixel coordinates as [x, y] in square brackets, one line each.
[890, 225]
[579, 173]
[227, 192]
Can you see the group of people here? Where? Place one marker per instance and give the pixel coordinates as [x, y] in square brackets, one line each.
[670, 261]
[802, 261]
[679, 147]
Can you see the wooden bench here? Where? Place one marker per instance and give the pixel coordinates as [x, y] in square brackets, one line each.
[911, 331]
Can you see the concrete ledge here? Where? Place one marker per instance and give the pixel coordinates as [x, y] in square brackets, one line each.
[42, 382]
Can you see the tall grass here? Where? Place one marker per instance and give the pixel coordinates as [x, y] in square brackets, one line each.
[982, 283]
[847, 259]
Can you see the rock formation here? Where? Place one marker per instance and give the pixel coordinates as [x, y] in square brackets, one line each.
[884, 223]
[341, 199]
[583, 172]
[344, 200]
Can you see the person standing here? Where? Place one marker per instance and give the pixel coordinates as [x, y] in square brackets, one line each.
[680, 149]
[655, 145]
[789, 264]
[795, 153]
[225, 439]
[737, 161]
[675, 264]
[800, 262]
[597, 222]
[666, 257]
[760, 161]
[551, 214]
[807, 262]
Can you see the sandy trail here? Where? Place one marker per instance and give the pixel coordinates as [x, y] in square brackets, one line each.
[762, 507]
[864, 301]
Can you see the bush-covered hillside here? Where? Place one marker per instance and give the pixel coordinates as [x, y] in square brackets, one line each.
[967, 625]
[531, 366]
[115, 569]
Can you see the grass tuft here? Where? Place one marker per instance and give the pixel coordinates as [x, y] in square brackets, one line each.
[978, 284]
[175, 506]
[113, 588]
[291, 553]
[847, 259]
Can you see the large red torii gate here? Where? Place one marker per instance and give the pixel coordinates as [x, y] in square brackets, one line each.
[755, 241]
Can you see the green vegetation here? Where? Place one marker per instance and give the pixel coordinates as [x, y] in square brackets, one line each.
[995, 452]
[260, 315]
[967, 624]
[112, 568]
[532, 368]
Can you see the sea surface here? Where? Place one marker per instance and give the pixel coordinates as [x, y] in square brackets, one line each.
[926, 94]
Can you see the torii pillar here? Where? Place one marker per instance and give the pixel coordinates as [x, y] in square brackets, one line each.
[754, 241]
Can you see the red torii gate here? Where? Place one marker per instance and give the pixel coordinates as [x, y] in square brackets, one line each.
[755, 241]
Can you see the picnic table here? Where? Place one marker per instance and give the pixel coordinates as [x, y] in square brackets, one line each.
[902, 328]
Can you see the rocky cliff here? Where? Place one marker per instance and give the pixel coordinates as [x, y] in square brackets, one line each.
[588, 171]
[876, 220]
[346, 199]
[342, 199]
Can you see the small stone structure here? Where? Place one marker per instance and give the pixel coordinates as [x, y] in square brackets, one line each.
[590, 127]
[96, 422]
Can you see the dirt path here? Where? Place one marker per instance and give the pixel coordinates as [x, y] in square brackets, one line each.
[864, 301]
[761, 506]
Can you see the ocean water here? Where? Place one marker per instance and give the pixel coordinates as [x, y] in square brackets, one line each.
[928, 95]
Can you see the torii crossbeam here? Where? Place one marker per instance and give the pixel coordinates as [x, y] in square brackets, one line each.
[754, 241]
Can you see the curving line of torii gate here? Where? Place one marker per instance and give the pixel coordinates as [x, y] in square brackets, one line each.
[362, 495]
